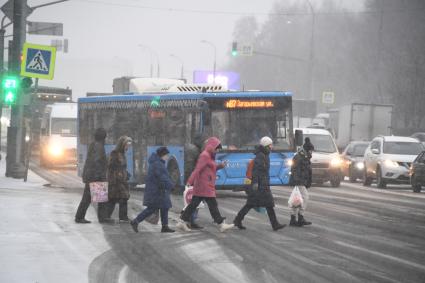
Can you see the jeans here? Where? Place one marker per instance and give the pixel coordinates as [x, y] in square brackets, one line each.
[122, 208]
[193, 205]
[84, 203]
[149, 211]
[246, 208]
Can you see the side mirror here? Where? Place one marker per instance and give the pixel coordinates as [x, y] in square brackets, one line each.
[299, 139]
[375, 151]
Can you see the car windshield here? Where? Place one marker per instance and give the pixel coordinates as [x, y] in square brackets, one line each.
[322, 143]
[404, 148]
[64, 126]
[359, 149]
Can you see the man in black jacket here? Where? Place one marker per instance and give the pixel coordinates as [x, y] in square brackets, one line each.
[259, 193]
[94, 171]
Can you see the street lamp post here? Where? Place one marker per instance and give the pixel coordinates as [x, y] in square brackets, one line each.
[182, 67]
[215, 56]
[311, 67]
[157, 59]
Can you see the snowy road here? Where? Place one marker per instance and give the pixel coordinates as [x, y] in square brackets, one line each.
[358, 235]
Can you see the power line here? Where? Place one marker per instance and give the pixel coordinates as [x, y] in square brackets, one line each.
[234, 13]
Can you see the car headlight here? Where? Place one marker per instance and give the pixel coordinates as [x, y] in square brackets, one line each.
[336, 162]
[360, 165]
[390, 163]
[55, 150]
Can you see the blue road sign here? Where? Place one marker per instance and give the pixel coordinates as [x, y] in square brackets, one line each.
[38, 61]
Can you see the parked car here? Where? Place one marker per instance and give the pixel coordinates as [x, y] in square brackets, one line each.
[353, 160]
[417, 173]
[388, 159]
[326, 160]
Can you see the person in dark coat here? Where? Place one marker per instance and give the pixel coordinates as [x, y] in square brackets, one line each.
[308, 148]
[191, 155]
[118, 176]
[259, 193]
[157, 190]
[301, 176]
[94, 171]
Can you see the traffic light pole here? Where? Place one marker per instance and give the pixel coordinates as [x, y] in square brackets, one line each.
[15, 166]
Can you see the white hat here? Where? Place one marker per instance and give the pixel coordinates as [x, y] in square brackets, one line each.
[265, 141]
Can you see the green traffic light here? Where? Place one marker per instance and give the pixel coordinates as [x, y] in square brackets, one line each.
[234, 53]
[10, 87]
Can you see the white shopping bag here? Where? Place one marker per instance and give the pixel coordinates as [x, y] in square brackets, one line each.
[295, 199]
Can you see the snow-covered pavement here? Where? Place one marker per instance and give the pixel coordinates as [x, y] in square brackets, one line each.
[39, 240]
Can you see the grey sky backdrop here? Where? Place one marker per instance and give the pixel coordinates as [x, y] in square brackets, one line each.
[104, 36]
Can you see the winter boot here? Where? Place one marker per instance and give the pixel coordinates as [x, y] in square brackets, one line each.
[183, 226]
[166, 229]
[82, 221]
[239, 224]
[302, 221]
[135, 226]
[223, 227]
[278, 226]
[293, 221]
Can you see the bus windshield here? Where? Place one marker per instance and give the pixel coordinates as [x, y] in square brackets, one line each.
[64, 127]
[241, 130]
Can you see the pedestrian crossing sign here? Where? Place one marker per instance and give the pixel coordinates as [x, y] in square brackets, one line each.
[38, 61]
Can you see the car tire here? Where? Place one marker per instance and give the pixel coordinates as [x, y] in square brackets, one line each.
[367, 181]
[335, 181]
[380, 181]
[415, 186]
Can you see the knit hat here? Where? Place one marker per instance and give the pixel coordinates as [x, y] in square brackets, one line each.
[266, 141]
[161, 151]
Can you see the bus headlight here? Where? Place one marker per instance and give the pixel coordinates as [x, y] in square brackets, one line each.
[336, 162]
[55, 150]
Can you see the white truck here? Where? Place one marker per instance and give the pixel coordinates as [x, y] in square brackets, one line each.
[58, 141]
[362, 122]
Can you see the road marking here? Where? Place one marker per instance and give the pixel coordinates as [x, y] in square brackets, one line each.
[398, 193]
[389, 257]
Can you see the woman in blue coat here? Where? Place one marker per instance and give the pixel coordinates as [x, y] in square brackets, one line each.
[157, 190]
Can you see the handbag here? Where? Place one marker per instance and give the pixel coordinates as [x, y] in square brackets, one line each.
[295, 199]
[153, 218]
[99, 191]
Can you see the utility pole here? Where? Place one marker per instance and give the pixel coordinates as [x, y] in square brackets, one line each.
[311, 59]
[15, 166]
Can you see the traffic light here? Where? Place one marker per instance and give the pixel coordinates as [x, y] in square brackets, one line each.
[234, 49]
[10, 88]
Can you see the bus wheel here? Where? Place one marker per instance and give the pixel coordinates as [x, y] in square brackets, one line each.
[174, 172]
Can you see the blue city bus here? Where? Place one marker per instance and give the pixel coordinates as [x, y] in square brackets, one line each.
[238, 119]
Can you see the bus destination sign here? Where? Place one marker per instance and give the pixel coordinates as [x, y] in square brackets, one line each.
[236, 103]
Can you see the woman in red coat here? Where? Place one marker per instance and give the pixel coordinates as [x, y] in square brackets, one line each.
[203, 181]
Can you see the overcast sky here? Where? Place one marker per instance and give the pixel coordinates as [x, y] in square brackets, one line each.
[104, 36]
